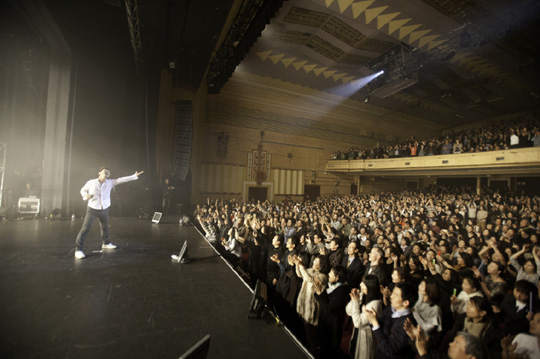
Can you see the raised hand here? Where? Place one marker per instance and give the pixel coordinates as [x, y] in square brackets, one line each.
[370, 316]
[355, 294]
[507, 346]
[421, 342]
[410, 329]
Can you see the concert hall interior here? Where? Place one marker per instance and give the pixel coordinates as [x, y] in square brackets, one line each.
[209, 105]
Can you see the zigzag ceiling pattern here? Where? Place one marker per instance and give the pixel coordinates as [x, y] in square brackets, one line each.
[418, 35]
[308, 67]
[324, 43]
[377, 14]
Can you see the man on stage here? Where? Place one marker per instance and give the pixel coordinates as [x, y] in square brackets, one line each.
[98, 194]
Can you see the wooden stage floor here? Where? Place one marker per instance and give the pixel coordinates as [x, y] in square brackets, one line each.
[132, 302]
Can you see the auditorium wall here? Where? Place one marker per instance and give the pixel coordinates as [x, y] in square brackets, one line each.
[297, 128]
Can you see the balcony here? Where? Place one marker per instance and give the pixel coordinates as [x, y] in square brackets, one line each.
[513, 162]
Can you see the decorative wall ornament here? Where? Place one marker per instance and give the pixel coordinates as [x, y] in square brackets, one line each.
[259, 163]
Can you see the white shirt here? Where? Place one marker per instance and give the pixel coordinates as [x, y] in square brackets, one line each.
[101, 192]
[514, 139]
[527, 344]
[520, 305]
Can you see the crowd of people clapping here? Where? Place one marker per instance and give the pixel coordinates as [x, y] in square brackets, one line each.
[504, 135]
[430, 273]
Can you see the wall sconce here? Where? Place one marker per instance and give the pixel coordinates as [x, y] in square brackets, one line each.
[313, 174]
[289, 156]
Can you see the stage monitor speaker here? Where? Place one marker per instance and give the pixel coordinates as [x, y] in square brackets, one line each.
[157, 217]
[183, 256]
[259, 301]
[29, 205]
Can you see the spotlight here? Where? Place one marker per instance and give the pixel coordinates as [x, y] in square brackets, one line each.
[366, 99]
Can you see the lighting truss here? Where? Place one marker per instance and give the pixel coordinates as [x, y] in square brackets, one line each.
[132, 10]
[246, 28]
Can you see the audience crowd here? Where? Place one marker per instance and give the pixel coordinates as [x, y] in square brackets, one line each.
[437, 273]
[505, 135]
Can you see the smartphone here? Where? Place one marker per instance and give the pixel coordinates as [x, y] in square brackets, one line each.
[439, 253]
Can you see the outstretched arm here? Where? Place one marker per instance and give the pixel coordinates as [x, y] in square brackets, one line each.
[133, 177]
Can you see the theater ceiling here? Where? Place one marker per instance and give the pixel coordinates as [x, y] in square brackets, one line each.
[450, 62]
[447, 61]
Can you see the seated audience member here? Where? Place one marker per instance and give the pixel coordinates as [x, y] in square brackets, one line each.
[389, 331]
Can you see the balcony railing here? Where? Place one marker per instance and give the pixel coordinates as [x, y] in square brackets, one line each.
[522, 161]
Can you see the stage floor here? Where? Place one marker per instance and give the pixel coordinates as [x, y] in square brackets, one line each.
[132, 302]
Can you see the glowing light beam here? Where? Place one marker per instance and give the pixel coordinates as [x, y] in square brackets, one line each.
[350, 88]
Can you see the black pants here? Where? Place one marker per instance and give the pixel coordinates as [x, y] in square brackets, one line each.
[91, 215]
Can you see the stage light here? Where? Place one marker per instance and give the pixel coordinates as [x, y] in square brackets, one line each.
[348, 89]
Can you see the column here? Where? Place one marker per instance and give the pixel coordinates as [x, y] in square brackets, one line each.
[54, 149]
